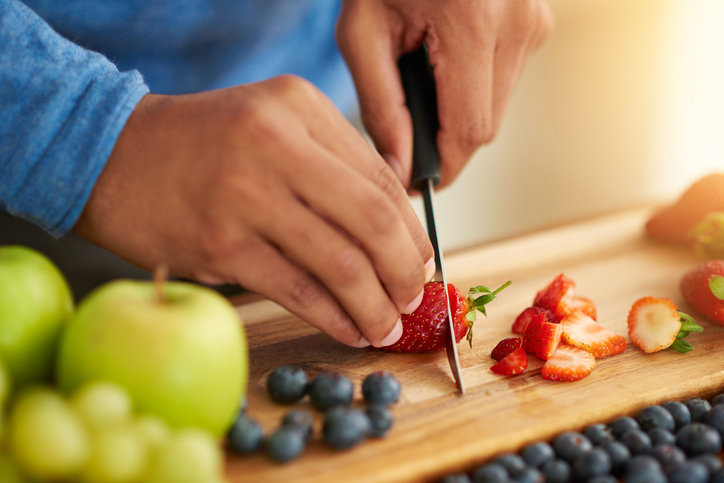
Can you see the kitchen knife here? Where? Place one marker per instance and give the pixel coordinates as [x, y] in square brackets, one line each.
[419, 86]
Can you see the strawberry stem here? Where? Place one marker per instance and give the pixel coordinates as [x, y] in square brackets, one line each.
[478, 304]
[688, 325]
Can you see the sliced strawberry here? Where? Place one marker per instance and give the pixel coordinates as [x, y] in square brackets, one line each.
[653, 323]
[505, 347]
[699, 292]
[557, 296]
[580, 330]
[541, 338]
[514, 363]
[581, 304]
[568, 363]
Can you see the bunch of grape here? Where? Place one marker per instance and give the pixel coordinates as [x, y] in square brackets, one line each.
[94, 436]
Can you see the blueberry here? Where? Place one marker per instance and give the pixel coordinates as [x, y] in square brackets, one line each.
[302, 420]
[571, 445]
[491, 473]
[538, 453]
[330, 389]
[619, 454]
[285, 444]
[457, 478]
[660, 436]
[712, 462]
[719, 399]
[669, 457]
[621, 425]
[655, 417]
[530, 475]
[697, 439]
[599, 434]
[715, 418]
[381, 387]
[246, 435]
[680, 413]
[717, 477]
[512, 463]
[345, 427]
[689, 472]
[698, 408]
[556, 471]
[636, 441]
[595, 462]
[603, 479]
[287, 384]
[644, 469]
[380, 420]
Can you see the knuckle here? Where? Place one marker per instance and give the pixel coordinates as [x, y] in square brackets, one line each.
[381, 216]
[292, 86]
[305, 293]
[348, 265]
[476, 133]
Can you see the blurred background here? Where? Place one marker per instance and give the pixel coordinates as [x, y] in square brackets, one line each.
[623, 106]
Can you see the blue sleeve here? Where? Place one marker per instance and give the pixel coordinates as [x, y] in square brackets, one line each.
[61, 110]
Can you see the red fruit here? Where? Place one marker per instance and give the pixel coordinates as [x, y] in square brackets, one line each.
[541, 338]
[557, 297]
[568, 363]
[696, 288]
[522, 321]
[583, 305]
[514, 363]
[580, 330]
[505, 347]
[655, 324]
[424, 329]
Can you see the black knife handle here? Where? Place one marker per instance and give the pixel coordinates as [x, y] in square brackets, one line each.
[421, 99]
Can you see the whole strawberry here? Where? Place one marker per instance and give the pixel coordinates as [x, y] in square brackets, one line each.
[424, 329]
[703, 288]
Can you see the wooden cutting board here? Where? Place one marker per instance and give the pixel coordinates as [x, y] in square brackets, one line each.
[436, 431]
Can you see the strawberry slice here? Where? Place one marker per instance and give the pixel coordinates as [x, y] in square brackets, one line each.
[505, 347]
[580, 330]
[582, 304]
[514, 363]
[557, 296]
[541, 338]
[522, 321]
[654, 323]
[568, 363]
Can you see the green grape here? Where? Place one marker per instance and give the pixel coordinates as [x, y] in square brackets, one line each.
[9, 471]
[101, 404]
[153, 430]
[45, 436]
[119, 455]
[189, 456]
[5, 385]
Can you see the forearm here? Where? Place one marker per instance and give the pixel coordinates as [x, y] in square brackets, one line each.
[62, 108]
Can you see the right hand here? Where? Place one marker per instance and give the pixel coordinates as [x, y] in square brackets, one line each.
[268, 186]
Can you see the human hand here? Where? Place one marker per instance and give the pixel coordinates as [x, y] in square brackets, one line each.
[268, 186]
[477, 49]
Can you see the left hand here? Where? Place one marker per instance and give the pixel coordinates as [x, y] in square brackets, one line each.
[477, 49]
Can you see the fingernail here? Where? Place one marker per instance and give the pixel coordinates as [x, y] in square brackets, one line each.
[394, 335]
[395, 165]
[363, 342]
[412, 306]
[430, 269]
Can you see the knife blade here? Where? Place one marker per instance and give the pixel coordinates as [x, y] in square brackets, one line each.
[419, 86]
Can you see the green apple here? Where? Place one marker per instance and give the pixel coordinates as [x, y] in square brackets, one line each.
[181, 356]
[35, 303]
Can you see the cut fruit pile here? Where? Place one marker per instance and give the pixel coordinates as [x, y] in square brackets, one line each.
[559, 328]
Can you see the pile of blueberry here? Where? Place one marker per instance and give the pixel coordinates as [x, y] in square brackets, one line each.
[330, 393]
[673, 442]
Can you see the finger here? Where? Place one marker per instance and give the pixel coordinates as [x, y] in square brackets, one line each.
[273, 275]
[463, 60]
[340, 265]
[372, 59]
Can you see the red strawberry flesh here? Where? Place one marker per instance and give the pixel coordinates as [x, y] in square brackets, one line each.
[557, 296]
[505, 347]
[514, 363]
[541, 338]
[568, 363]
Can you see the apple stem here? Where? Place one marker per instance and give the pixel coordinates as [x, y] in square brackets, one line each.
[160, 277]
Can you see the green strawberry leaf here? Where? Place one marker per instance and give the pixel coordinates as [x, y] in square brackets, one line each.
[479, 289]
[708, 236]
[716, 284]
[479, 303]
[471, 316]
[682, 334]
[688, 323]
[681, 346]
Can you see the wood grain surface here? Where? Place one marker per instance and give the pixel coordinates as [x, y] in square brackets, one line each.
[436, 431]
